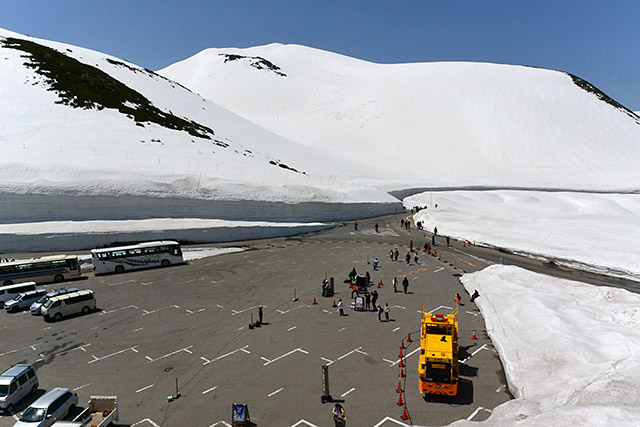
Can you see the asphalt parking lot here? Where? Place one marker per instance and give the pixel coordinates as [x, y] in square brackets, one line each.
[190, 322]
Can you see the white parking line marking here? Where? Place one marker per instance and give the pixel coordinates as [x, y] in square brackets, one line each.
[185, 349]
[136, 330]
[43, 329]
[472, 313]
[207, 361]
[219, 422]
[474, 353]
[406, 355]
[145, 312]
[340, 330]
[117, 309]
[144, 388]
[396, 329]
[474, 413]
[210, 389]
[275, 392]
[291, 328]
[499, 389]
[195, 312]
[146, 420]
[357, 350]
[82, 386]
[284, 355]
[291, 309]
[246, 309]
[385, 420]
[97, 359]
[399, 306]
[190, 281]
[18, 349]
[219, 306]
[347, 392]
[438, 269]
[120, 283]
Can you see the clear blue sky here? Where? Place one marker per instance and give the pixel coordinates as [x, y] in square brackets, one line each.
[596, 40]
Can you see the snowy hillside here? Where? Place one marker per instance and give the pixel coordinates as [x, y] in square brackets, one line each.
[429, 124]
[81, 128]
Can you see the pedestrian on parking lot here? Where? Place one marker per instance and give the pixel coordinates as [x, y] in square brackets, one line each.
[341, 307]
[379, 313]
[367, 301]
[448, 241]
[391, 254]
[386, 311]
[433, 240]
[415, 259]
[339, 417]
[374, 298]
[411, 246]
[395, 254]
[376, 227]
[395, 284]
[354, 290]
[405, 284]
[260, 314]
[355, 225]
[435, 230]
[407, 256]
[402, 223]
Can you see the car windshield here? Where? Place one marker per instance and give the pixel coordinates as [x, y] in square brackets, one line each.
[18, 298]
[48, 304]
[33, 415]
[4, 390]
[42, 299]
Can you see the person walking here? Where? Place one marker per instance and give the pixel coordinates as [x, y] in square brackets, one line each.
[395, 254]
[339, 417]
[379, 313]
[355, 225]
[395, 284]
[405, 284]
[376, 227]
[411, 246]
[341, 307]
[374, 298]
[391, 255]
[415, 259]
[448, 241]
[407, 256]
[386, 311]
[367, 301]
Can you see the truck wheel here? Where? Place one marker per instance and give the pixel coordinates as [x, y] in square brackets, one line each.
[57, 317]
[119, 269]
[85, 310]
[165, 263]
[7, 283]
[58, 278]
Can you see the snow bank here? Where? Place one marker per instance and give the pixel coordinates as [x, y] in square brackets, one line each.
[586, 230]
[72, 235]
[570, 350]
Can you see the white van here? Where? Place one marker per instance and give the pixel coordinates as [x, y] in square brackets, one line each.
[16, 383]
[66, 305]
[12, 291]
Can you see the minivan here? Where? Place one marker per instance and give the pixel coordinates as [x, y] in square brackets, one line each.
[35, 307]
[66, 305]
[54, 405]
[16, 383]
[11, 291]
[24, 300]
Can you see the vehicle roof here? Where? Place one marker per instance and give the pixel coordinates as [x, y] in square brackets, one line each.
[34, 292]
[63, 291]
[49, 397]
[71, 295]
[15, 285]
[139, 245]
[39, 259]
[16, 370]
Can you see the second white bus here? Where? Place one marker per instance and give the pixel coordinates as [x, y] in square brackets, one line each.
[133, 257]
[54, 268]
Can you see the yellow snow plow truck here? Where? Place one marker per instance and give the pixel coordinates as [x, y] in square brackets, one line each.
[438, 369]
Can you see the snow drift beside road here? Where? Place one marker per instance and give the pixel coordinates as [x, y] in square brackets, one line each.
[570, 350]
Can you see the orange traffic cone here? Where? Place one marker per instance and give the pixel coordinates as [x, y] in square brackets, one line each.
[405, 416]
[400, 356]
[473, 336]
[401, 363]
[401, 375]
[400, 401]
[334, 303]
[314, 301]
[409, 338]
[402, 347]
[399, 389]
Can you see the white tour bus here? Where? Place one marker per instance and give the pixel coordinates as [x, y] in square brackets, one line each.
[143, 255]
[55, 268]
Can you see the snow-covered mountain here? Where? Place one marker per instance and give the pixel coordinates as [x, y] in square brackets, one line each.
[448, 124]
[88, 136]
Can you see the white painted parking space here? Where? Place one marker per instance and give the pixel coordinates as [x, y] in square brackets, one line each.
[32, 347]
[292, 309]
[303, 422]
[207, 361]
[392, 363]
[146, 420]
[234, 312]
[387, 419]
[97, 359]
[81, 387]
[144, 388]
[185, 349]
[474, 353]
[117, 309]
[347, 392]
[210, 389]
[145, 312]
[83, 347]
[268, 362]
[275, 392]
[121, 283]
[474, 413]
[357, 350]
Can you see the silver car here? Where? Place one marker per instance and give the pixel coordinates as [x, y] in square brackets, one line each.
[35, 307]
[24, 300]
[51, 407]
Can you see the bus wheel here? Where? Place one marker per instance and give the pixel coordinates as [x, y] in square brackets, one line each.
[57, 317]
[7, 283]
[58, 278]
[119, 269]
[165, 263]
